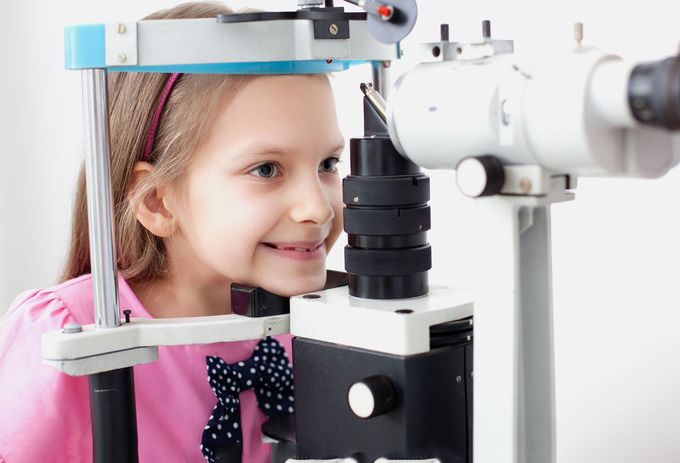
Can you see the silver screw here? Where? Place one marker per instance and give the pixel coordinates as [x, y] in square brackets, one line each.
[122, 29]
[420, 227]
[525, 185]
[71, 328]
[459, 379]
[122, 57]
[333, 29]
[356, 199]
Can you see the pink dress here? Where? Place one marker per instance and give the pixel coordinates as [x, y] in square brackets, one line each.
[45, 414]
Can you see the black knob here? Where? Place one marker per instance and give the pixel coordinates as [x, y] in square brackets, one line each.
[371, 397]
[444, 32]
[480, 176]
[486, 29]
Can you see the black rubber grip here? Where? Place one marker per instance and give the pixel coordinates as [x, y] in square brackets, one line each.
[388, 262]
[386, 222]
[386, 191]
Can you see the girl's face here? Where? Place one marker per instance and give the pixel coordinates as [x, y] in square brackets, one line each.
[261, 203]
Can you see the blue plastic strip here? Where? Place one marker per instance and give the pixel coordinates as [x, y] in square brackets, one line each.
[271, 67]
[85, 46]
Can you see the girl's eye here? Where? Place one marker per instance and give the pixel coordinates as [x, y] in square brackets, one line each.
[329, 165]
[266, 170]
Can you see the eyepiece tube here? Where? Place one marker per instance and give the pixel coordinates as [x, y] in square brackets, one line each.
[654, 93]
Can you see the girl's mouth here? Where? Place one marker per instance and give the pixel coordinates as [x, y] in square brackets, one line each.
[298, 250]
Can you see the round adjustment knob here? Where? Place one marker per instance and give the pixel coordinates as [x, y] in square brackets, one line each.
[371, 397]
[480, 176]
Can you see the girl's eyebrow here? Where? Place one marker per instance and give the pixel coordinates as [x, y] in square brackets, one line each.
[271, 150]
[340, 147]
[262, 150]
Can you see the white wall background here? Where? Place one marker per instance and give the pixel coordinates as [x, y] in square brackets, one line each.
[616, 251]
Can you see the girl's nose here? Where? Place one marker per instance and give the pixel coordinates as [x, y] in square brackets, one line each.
[312, 203]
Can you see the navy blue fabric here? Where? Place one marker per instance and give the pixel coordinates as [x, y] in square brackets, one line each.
[268, 372]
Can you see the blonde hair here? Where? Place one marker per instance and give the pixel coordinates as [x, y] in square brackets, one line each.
[184, 123]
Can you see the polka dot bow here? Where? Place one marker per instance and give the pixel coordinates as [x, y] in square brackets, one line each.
[269, 373]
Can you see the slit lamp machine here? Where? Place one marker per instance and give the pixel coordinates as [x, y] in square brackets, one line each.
[383, 360]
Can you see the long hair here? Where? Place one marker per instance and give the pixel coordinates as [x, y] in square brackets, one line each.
[184, 123]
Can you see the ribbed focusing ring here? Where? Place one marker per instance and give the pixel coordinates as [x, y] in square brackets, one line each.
[387, 242]
[386, 222]
[388, 262]
[391, 191]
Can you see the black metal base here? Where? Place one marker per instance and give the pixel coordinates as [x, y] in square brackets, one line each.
[432, 417]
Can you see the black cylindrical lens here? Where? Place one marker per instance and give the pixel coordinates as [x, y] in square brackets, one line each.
[386, 219]
[654, 93]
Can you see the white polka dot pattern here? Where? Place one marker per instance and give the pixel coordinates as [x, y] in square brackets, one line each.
[268, 371]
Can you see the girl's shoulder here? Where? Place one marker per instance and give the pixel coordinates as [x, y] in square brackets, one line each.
[70, 301]
[45, 308]
[48, 396]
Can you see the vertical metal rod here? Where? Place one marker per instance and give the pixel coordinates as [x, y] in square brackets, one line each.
[112, 394]
[376, 76]
[536, 378]
[114, 416]
[99, 198]
[486, 29]
[514, 384]
[444, 32]
[379, 76]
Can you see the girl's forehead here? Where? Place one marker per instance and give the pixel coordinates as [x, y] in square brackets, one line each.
[282, 111]
[303, 96]
[276, 116]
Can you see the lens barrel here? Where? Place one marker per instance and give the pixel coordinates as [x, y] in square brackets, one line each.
[654, 93]
[386, 219]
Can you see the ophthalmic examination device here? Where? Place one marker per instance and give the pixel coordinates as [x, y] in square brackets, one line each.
[383, 360]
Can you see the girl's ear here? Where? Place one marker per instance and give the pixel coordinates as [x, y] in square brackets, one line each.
[152, 211]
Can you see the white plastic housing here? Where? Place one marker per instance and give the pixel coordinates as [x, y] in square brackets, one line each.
[568, 114]
[399, 326]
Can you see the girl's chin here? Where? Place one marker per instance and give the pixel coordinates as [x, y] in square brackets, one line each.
[290, 288]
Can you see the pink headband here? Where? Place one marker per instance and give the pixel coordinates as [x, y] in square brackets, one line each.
[151, 135]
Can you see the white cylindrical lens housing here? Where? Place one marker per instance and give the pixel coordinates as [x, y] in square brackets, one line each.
[608, 92]
[568, 113]
[441, 113]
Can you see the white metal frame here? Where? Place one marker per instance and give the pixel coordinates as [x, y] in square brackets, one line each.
[337, 317]
[201, 41]
[514, 386]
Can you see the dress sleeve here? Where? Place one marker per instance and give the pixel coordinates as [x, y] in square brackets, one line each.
[45, 413]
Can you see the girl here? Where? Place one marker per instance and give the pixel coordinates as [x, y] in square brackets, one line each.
[216, 179]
